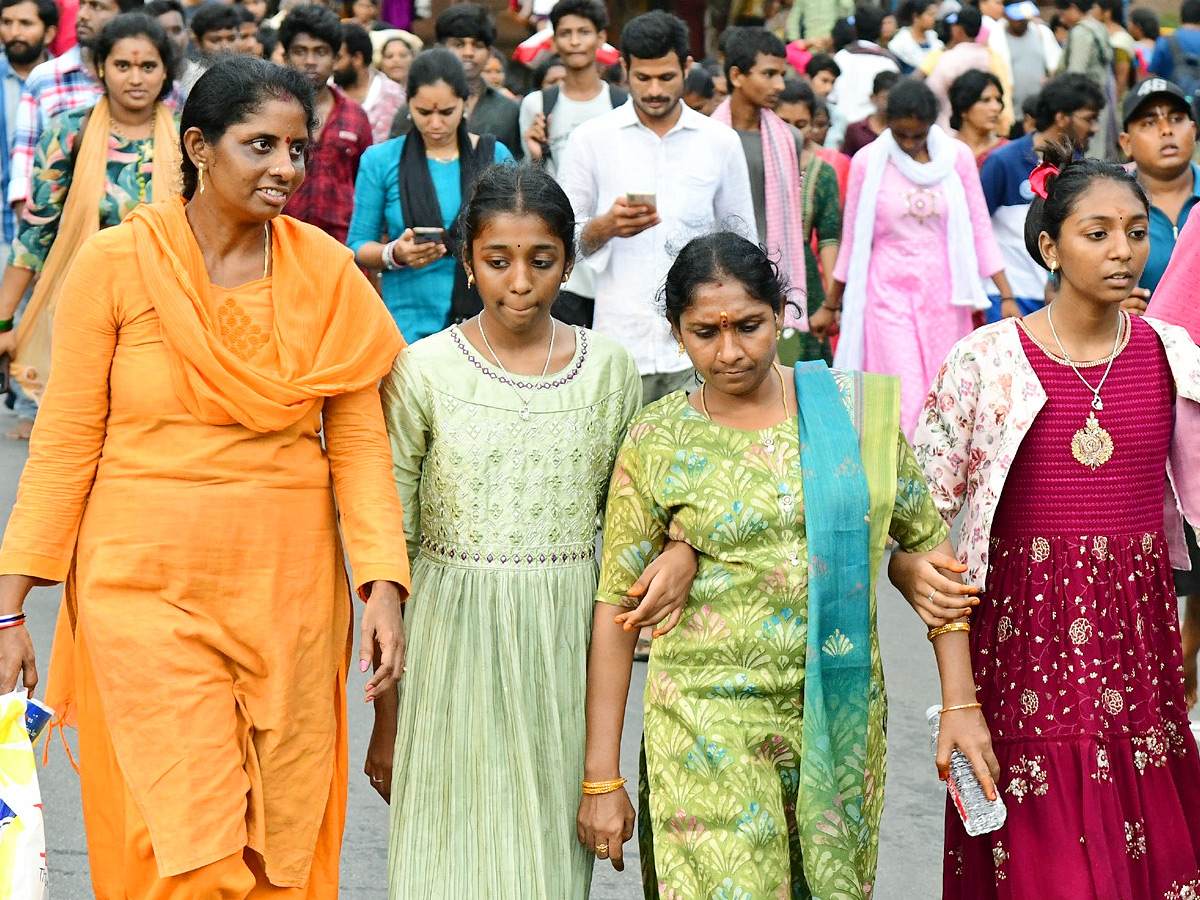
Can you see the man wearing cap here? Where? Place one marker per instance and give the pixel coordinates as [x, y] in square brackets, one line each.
[1067, 109]
[1159, 136]
[1028, 49]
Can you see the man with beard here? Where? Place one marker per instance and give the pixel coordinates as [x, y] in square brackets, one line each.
[644, 179]
[26, 27]
[379, 96]
[311, 36]
[58, 85]
[468, 31]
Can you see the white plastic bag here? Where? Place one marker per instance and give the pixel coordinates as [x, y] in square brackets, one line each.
[23, 873]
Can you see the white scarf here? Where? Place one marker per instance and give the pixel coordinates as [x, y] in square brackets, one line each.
[966, 288]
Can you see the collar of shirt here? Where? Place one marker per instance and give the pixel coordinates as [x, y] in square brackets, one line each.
[627, 117]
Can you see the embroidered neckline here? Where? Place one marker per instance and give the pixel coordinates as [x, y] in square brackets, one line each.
[534, 383]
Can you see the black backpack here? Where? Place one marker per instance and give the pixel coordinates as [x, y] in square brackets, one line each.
[1185, 68]
[616, 97]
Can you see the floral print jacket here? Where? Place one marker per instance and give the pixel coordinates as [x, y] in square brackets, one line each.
[980, 408]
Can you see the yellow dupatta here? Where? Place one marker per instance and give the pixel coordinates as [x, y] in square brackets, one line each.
[80, 220]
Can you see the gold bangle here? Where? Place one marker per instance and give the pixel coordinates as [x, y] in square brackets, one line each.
[946, 629]
[602, 787]
[946, 709]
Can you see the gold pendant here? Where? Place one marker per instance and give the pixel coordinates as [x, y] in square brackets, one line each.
[1092, 446]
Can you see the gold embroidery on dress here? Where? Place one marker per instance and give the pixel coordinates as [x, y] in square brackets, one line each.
[242, 337]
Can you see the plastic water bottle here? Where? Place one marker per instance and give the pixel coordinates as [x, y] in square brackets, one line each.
[979, 814]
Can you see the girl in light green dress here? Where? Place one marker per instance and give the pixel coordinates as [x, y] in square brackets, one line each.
[504, 431]
[765, 709]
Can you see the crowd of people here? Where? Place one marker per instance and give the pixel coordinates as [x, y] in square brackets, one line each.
[660, 360]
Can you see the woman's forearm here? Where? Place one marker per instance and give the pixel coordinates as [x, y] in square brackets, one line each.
[370, 255]
[16, 282]
[953, 652]
[610, 662]
[13, 591]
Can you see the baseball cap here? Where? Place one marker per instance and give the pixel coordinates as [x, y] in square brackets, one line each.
[1148, 89]
[1025, 10]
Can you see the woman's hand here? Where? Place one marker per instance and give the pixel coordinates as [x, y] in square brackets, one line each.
[8, 342]
[937, 598]
[967, 730]
[382, 747]
[823, 323]
[382, 638]
[417, 254]
[16, 659]
[1137, 301]
[604, 823]
[663, 590]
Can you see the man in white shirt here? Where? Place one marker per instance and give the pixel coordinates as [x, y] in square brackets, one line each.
[549, 117]
[1028, 50]
[860, 62]
[644, 179]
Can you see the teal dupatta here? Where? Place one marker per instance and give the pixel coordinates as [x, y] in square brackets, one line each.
[838, 659]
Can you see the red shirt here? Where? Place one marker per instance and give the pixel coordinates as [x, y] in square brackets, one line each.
[326, 199]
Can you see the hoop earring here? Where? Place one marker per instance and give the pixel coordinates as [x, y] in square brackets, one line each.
[200, 177]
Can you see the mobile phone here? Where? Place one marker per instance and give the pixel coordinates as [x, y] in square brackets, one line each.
[429, 235]
[636, 198]
[5, 364]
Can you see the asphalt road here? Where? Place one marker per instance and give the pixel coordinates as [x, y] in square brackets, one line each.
[910, 855]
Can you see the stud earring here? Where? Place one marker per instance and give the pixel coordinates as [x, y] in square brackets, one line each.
[1053, 267]
[200, 177]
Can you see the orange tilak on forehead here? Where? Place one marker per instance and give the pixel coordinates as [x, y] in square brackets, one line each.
[724, 319]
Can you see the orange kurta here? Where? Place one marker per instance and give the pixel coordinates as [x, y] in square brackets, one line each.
[207, 569]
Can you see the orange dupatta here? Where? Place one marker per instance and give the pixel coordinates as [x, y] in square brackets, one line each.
[80, 220]
[333, 333]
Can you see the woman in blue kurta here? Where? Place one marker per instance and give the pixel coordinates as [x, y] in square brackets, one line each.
[419, 181]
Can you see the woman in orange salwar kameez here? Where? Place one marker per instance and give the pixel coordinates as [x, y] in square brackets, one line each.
[213, 390]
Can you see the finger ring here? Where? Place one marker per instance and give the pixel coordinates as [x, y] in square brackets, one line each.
[932, 594]
[375, 780]
[602, 850]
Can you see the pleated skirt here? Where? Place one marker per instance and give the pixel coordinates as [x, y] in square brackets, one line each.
[490, 740]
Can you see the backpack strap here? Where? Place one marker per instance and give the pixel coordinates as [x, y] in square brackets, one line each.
[616, 96]
[549, 99]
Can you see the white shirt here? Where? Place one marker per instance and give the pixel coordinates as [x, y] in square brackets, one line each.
[853, 88]
[698, 174]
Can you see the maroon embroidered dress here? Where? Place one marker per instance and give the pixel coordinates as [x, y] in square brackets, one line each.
[1077, 657]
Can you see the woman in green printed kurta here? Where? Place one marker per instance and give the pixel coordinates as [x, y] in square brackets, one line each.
[731, 808]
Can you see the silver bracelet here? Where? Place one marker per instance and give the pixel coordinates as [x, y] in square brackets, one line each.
[389, 258]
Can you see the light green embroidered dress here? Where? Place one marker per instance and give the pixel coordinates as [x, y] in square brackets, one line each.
[501, 515]
[724, 693]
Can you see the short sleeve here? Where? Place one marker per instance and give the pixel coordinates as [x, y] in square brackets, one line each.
[917, 525]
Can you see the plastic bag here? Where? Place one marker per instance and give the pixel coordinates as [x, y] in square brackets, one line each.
[23, 874]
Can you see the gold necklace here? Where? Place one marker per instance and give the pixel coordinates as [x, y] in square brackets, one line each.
[266, 248]
[782, 388]
[1091, 445]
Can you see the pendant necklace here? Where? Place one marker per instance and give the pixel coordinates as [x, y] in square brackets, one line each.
[523, 412]
[1091, 446]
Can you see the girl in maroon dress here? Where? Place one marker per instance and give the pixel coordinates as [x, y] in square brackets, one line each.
[1061, 435]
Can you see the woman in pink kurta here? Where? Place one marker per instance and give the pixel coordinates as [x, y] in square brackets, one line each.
[910, 268]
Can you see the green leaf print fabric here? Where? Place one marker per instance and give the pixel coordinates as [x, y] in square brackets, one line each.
[724, 695]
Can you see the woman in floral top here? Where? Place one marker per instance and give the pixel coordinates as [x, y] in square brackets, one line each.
[1061, 467]
[92, 166]
[765, 708]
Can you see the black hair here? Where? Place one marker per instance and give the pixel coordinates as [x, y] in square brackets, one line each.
[820, 107]
[129, 5]
[911, 98]
[357, 42]
[434, 65]
[1116, 8]
[747, 44]
[910, 9]
[524, 190]
[654, 35]
[231, 92]
[868, 23]
[268, 36]
[1189, 12]
[1147, 20]
[698, 81]
[822, 62]
[593, 10]
[1067, 93]
[136, 24]
[154, 8]
[244, 15]
[466, 20]
[614, 75]
[970, 20]
[724, 37]
[543, 69]
[1081, 5]
[1056, 22]
[967, 90]
[705, 259]
[214, 17]
[47, 11]
[348, 8]
[1063, 191]
[843, 34]
[884, 81]
[313, 19]
[797, 90]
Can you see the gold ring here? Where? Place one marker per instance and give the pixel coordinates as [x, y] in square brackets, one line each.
[602, 850]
